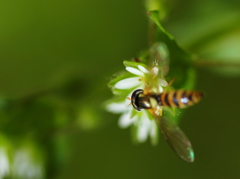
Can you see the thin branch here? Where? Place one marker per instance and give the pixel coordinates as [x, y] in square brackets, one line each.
[152, 32]
[216, 63]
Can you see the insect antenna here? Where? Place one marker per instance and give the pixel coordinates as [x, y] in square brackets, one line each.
[130, 100]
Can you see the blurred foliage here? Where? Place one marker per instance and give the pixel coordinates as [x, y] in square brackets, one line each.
[56, 59]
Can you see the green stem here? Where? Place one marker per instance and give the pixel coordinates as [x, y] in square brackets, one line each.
[152, 32]
[215, 63]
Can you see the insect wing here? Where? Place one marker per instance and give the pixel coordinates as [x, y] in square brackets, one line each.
[176, 139]
[159, 56]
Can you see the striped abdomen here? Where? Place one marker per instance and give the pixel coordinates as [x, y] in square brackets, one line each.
[179, 99]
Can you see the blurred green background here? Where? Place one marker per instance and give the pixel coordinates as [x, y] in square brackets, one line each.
[56, 60]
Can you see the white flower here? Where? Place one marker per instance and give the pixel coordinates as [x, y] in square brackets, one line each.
[4, 163]
[133, 81]
[145, 126]
[25, 165]
[125, 120]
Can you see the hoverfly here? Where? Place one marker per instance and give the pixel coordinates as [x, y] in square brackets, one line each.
[154, 101]
[142, 99]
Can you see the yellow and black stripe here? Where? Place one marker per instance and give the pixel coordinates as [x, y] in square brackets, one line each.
[180, 98]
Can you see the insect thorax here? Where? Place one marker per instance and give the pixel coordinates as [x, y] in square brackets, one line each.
[147, 102]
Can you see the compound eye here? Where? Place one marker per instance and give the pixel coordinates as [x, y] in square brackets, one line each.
[135, 97]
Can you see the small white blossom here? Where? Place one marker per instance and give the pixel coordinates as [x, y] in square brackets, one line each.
[124, 108]
[124, 120]
[133, 81]
[163, 82]
[135, 71]
[143, 69]
[128, 83]
[25, 165]
[155, 71]
[4, 163]
[145, 126]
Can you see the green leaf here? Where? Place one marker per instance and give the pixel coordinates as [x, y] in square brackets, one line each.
[133, 64]
[217, 42]
[155, 17]
[222, 55]
[185, 76]
[162, 35]
[181, 63]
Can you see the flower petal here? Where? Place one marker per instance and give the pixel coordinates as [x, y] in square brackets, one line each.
[134, 71]
[163, 82]
[117, 107]
[125, 120]
[154, 133]
[143, 69]
[153, 129]
[4, 162]
[128, 83]
[155, 71]
[143, 128]
[160, 89]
